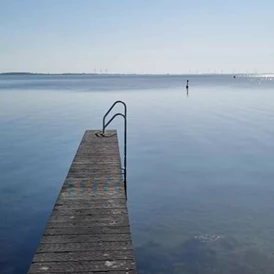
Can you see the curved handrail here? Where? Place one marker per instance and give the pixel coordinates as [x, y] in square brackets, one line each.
[110, 109]
[125, 134]
[113, 117]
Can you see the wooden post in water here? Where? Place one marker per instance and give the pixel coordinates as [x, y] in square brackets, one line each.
[88, 231]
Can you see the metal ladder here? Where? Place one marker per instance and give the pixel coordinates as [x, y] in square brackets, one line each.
[105, 125]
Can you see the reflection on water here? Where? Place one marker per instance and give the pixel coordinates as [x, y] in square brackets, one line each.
[200, 168]
[202, 256]
[218, 230]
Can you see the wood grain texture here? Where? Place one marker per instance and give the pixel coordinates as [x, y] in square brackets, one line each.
[86, 212]
[88, 231]
[92, 272]
[47, 239]
[96, 255]
[61, 247]
[82, 266]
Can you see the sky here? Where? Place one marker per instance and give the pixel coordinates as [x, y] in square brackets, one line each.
[137, 36]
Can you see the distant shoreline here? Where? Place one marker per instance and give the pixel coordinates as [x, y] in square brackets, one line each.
[125, 74]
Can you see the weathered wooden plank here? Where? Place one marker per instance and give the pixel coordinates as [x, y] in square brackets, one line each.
[86, 238]
[114, 185]
[99, 152]
[105, 156]
[91, 246]
[75, 230]
[88, 231]
[70, 182]
[90, 224]
[112, 201]
[78, 204]
[98, 169]
[88, 212]
[84, 200]
[85, 174]
[82, 266]
[97, 255]
[87, 194]
[94, 272]
[90, 166]
[87, 158]
[89, 218]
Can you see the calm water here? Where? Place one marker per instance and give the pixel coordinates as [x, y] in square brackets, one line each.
[200, 167]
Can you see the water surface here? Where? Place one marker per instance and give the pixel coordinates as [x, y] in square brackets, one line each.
[200, 167]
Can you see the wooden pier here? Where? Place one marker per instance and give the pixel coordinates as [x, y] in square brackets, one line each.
[88, 231]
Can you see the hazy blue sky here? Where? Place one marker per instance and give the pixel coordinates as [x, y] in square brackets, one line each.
[136, 36]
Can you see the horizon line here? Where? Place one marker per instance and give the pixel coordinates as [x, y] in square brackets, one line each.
[167, 73]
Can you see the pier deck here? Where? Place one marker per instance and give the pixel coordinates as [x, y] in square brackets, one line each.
[88, 231]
